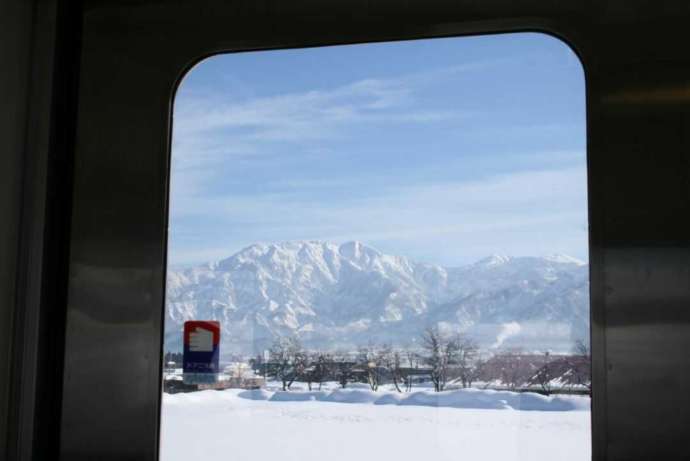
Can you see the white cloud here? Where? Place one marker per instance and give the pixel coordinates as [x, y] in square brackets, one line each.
[527, 212]
[302, 116]
[209, 131]
[535, 212]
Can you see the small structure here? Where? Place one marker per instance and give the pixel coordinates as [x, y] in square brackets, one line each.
[240, 375]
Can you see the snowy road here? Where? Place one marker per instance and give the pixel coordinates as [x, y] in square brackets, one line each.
[223, 425]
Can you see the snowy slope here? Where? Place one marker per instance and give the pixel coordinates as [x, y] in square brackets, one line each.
[224, 425]
[343, 295]
[470, 398]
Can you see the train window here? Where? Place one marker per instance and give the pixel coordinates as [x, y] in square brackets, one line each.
[379, 251]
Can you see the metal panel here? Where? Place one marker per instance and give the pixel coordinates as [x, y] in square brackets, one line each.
[638, 74]
[35, 133]
[15, 46]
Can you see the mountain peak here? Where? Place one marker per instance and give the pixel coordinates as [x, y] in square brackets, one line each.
[260, 248]
[345, 295]
[356, 250]
[494, 260]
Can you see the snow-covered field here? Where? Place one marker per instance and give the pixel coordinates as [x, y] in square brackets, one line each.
[342, 425]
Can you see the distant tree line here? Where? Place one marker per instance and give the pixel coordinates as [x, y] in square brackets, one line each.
[173, 358]
[441, 359]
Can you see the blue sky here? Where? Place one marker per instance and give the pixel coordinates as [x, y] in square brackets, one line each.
[443, 150]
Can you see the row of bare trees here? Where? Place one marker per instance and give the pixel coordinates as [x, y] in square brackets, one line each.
[516, 370]
[288, 362]
[442, 358]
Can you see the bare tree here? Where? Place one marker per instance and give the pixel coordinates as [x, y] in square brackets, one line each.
[441, 352]
[308, 376]
[393, 364]
[373, 361]
[413, 361]
[318, 369]
[287, 360]
[544, 374]
[466, 358]
[581, 365]
[301, 363]
[343, 369]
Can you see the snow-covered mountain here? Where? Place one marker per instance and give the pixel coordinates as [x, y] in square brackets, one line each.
[340, 296]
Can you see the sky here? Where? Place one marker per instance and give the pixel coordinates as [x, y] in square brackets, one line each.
[442, 150]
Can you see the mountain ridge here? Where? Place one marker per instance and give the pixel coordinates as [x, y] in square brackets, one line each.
[344, 295]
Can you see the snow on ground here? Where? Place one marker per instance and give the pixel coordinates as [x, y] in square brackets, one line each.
[342, 425]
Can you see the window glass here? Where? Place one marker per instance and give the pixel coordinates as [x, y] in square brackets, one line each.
[379, 251]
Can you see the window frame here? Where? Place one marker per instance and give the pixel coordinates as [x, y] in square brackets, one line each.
[134, 55]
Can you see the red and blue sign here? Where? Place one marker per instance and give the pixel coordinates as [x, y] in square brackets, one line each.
[201, 347]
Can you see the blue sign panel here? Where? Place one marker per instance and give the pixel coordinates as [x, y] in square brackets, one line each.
[201, 351]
